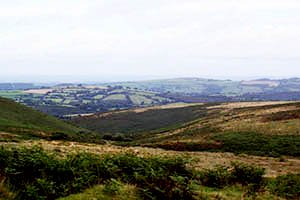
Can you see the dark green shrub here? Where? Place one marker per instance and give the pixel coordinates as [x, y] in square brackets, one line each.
[287, 186]
[30, 192]
[107, 137]
[247, 174]
[59, 136]
[259, 144]
[121, 138]
[240, 173]
[155, 177]
[218, 177]
[112, 186]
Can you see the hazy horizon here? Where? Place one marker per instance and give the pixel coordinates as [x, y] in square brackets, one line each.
[84, 40]
[111, 79]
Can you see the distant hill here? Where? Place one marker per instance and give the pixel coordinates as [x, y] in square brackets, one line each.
[216, 87]
[68, 99]
[17, 86]
[20, 122]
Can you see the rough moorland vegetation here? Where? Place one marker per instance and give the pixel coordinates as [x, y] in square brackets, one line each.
[266, 130]
[32, 173]
[134, 123]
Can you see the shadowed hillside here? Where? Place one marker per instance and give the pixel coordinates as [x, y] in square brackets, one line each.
[19, 121]
[137, 121]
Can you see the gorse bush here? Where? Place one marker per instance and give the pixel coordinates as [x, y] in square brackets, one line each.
[35, 174]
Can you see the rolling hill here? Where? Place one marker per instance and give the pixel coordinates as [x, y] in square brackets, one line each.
[215, 87]
[64, 100]
[134, 122]
[259, 128]
[20, 122]
[205, 150]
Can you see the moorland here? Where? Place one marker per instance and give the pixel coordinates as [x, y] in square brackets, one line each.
[241, 150]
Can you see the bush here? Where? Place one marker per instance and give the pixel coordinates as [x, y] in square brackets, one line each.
[287, 186]
[112, 186]
[107, 137]
[240, 173]
[59, 136]
[35, 174]
[247, 174]
[218, 177]
[155, 177]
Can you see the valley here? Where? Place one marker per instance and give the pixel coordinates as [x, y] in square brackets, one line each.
[150, 100]
[63, 100]
[195, 148]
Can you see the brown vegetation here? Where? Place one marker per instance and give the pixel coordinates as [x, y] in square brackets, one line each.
[200, 160]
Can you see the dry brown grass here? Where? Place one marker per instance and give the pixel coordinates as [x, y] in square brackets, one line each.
[200, 160]
[253, 121]
[248, 104]
[38, 91]
[140, 110]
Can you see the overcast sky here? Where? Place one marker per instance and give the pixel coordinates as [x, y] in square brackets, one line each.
[119, 39]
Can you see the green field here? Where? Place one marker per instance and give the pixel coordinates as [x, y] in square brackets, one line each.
[140, 100]
[118, 97]
[63, 101]
[12, 94]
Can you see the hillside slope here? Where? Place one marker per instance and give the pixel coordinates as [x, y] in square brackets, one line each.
[259, 128]
[135, 122]
[19, 121]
